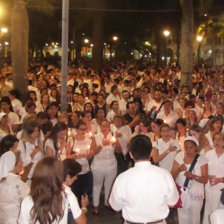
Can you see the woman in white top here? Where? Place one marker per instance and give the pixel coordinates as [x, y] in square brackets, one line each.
[56, 144]
[100, 115]
[31, 147]
[165, 149]
[213, 188]
[215, 126]
[80, 148]
[48, 201]
[12, 189]
[5, 129]
[44, 101]
[197, 178]
[104, 165]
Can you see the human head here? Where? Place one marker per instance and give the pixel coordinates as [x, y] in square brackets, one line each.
[71, 170]
[140, 147]
[118, 121]
[191, 146]
[9, 142]
[46, 190]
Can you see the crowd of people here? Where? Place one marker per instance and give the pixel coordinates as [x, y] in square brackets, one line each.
[106, 110]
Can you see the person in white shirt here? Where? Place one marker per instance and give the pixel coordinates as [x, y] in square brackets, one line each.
[56, 144]
[104, 165]
[168, 115]
[123, 102]
[155, 103]
[190, 213]
[114, 106]
[165, 149]
[49, 201]
[16, 103]
[123, 134]
[114, 95]
[144, 192]
[12, 189]
[31, 147]
[217, 216]
[213, 188]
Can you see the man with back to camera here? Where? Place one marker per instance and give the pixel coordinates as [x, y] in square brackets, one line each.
[145, 192]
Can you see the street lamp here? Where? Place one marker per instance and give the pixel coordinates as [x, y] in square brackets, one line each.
[4, 30]
[115, 38]
[86, 41]
[199, 39]
[166, 33]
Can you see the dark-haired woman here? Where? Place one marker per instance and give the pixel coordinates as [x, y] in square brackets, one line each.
[8, 143]
[80, 148]
[48, 201]
[190, 214]
[52, 112]
[56, 144]
[31, 147]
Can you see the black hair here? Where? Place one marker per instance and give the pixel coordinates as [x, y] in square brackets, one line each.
[140, 147]
[60, 126]
[6, 143]
[7, 100]
[71, 168]
[181, 121]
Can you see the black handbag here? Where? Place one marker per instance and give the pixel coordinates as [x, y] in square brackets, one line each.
[222, 196]
[70, 219]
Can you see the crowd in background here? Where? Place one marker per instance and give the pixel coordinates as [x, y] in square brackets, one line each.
[105, 110]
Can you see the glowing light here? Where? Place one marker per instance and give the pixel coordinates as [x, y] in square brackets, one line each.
[115, 38]
[4, 30]
[86, 41]
[166, 33]
[199, 38]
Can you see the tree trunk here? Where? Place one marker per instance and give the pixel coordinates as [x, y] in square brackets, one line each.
[186, 47]
[19, 46]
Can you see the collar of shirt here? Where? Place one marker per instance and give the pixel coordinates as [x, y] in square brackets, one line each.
[143, 163]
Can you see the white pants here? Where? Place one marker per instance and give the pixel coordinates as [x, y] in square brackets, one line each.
[190, 215]
[212, 202]
[105, 175]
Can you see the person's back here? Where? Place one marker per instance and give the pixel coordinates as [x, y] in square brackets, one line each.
[144, 192]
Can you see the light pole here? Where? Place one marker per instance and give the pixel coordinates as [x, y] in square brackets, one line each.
[64, 59]
[199, 39]
[115, 39]
[166, 33]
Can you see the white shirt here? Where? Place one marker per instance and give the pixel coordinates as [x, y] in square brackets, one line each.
[210, 140]
[151, 104]
[196, 189]
[27, 204]
[16, 104]
[162, 146]
[25, 154]
[13, 118]
[81, 147]
[12, 192]
[105, 158]
[122, 106]
[215, 168]
[126, 133]
[111, 98]
[217, 217]
[144, 193]
[170, 119]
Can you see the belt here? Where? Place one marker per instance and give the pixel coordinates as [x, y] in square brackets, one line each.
[158, 221]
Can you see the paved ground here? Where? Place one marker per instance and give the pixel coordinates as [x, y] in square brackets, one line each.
[105, 217]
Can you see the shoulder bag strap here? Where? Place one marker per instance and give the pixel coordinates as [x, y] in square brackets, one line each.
[186, 182]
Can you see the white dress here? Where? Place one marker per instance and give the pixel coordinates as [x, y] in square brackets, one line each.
[12, 192]
[27, 204]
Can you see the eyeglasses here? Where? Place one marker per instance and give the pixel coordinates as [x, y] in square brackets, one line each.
[82, 129]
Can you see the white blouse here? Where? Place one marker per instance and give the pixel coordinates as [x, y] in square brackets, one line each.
[12, 192]
[105, 158]
[196, 189]
[27, 204]
[81, 147]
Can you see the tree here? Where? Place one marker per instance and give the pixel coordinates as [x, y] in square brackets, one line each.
[19, 38]
[186, 47]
